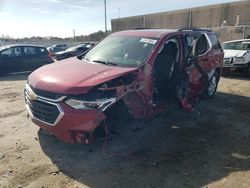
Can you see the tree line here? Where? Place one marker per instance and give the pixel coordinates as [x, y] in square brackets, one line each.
[96, 36]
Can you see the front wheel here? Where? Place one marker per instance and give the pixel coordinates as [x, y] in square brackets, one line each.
[211, 88]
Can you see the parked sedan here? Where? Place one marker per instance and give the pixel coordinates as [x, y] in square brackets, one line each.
[23, 57]
[57, 48]
[73, 51]
[237, 55]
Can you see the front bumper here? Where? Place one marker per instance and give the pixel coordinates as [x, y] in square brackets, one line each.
[69, 125]
[230, 63]
[73, 123]
[235, 65]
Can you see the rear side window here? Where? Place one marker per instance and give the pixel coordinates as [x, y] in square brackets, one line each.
[42, 50]
[215, 43]
[30, 50]
[202, 45]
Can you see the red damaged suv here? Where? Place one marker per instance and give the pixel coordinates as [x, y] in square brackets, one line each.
[136, 72]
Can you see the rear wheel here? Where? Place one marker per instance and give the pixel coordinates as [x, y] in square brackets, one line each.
[211, 88]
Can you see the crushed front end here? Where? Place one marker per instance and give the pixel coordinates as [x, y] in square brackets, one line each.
[71, 118]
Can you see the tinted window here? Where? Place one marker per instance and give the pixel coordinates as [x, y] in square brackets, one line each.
[6, 52]
[42, 50]
[12, 52]
[30, 50]
[202, 45]
[81, 49]
[214, 41]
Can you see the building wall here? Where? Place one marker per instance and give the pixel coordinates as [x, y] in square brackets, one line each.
[209, 16]
[169, 20]
[232, 32]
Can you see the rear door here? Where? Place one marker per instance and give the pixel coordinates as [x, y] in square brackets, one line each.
[207, 59]
[34, 57]
[43, 55]
[29, 58]
[216, 50]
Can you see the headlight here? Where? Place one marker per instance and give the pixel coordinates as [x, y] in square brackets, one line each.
[101, 104]
[238, 60]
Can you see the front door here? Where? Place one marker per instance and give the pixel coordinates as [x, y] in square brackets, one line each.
[165, 69]
[10, 60]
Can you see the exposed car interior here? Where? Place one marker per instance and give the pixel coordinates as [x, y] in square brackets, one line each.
[165, 68]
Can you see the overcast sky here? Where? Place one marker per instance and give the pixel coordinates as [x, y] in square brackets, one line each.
[25, 18]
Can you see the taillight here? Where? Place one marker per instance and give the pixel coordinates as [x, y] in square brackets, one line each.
[50, 54]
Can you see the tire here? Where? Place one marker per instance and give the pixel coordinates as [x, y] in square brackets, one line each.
[211, 88]
[119, 112]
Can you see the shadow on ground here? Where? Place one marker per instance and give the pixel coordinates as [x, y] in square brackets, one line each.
[236, 75]
[15, 76]
[174, 150]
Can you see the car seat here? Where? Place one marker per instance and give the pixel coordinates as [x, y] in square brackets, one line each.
[164, 69]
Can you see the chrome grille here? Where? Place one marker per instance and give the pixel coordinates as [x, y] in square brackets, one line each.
[42, 109]
[227, 61]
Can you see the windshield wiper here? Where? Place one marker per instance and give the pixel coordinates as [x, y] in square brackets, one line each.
[105, 62]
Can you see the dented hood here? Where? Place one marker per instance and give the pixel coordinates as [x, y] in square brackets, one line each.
[74, 76]
[234, 53]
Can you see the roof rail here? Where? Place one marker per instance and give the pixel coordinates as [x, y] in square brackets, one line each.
[139, 28]
[195, 29]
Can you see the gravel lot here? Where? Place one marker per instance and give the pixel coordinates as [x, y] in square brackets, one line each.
[207, 148]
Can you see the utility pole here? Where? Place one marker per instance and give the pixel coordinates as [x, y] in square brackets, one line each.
[105, 12]
[74, 33]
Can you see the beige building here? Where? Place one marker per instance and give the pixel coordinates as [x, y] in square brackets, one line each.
[230, 20]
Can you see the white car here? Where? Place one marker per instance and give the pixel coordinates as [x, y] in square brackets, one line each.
[237, 55]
